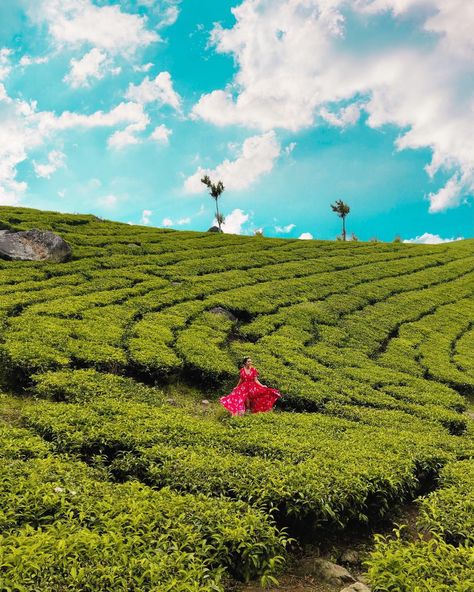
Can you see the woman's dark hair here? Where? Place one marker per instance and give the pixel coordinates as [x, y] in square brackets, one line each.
[244, 361]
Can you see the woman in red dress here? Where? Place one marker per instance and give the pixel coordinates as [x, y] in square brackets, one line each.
[250, 394]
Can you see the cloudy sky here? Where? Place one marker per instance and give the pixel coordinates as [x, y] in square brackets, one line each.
[118, 107]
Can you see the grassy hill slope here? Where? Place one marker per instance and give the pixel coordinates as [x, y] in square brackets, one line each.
[371, 345]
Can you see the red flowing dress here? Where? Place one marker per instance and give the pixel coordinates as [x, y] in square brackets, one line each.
[259, 398]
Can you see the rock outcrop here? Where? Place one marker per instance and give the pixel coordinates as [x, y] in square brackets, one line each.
[328, 572]
[357, 587]
[33, 245]
[223, 311]
[350, 557]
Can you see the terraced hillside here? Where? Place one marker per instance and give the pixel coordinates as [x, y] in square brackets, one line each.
[111, 484]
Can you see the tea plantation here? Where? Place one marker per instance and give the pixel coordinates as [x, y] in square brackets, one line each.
[115, 476]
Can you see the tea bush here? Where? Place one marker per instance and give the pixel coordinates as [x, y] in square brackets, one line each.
[449, 511]
[443, 559]
[433, 566]
[60, 525]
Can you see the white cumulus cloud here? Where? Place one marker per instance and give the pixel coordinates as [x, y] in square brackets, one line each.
[431, 239]
[233, 222]
[167, 222]
[306, 236]
[81, 22]
[24, 128]
[296, 60]
[56, 160]
[159, 90]
[145, 219]
[93, 65]
[27, 60]
[166, 10]
[448, 196]
[169, 16]
[127, 137]
[343, 117]
[257, 157]
[161, 134]
[5, 66]
[109, 201]
[106, 31]
[284, 229]
[143, 67]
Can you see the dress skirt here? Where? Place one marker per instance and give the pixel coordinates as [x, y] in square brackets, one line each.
[258, 398]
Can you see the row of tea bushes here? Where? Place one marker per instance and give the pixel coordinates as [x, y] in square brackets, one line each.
[442, 559]
[309, 385]
[463, 348]
[440, 332]
[63, 524]
[432, 566]
[449, 511]
[326, 468]
[365, 286]
[82, 386]
[367, 329]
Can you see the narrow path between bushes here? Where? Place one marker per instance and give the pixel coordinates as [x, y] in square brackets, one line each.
[345, 548]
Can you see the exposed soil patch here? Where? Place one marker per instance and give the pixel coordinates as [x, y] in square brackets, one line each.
[294, 584]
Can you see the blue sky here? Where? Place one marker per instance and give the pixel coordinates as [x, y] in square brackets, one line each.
[117, 108]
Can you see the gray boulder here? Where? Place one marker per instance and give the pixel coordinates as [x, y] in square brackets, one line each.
[350, 557]
[326, 571]
[223, 311]
[334, 574]
[357, 587]
[33, 245]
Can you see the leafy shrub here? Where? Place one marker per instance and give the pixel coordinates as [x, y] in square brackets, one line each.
[449, 511]
[80, 386]
[62, 526]
[433, 566]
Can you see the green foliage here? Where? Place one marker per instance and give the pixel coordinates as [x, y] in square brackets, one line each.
[449, 511]
[442, 559]
[81, 386]
[303, 464]
[370, 345]
[19, 443]
[433, 566]
[62, 525]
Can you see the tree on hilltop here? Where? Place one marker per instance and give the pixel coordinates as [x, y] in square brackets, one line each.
[215, 191]
[342, 210]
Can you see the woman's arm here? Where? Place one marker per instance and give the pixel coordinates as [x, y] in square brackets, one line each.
[257, 380]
